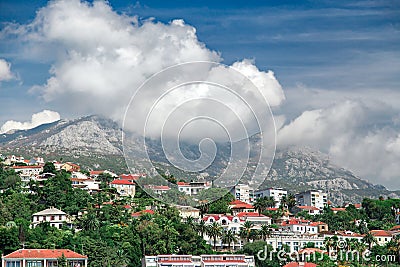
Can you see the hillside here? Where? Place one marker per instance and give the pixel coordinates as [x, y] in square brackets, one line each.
[95, 143]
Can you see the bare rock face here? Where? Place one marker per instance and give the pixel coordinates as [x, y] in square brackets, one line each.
[96, 142]
[85, 135]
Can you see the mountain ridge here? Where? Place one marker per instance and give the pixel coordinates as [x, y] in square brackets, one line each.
[96, 142]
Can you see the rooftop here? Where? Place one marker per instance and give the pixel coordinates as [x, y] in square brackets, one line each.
[44, 254]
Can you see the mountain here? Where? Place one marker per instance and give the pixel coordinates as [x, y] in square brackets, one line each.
[96, 143]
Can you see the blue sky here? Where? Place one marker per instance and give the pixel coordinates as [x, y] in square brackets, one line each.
[327, 55]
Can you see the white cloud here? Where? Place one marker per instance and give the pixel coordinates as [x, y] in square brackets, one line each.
[5, 70]
[101, 57]
[45, 116]
[348, 133]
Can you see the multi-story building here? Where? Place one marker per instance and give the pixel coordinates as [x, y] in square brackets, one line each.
[295, 242]
[55, 217]
[276, 193]
[188, 211]
[124, 187]
[87, 184]
[43, 258]
[238, 206]
[314, 198]
[157, 189]
[243, 192]
[27, 172]
[224, 260]
[192, 188]
[299, 226]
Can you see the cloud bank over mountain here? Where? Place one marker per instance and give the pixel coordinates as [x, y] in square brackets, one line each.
[43, 117]
[100, 57]
[106, 56]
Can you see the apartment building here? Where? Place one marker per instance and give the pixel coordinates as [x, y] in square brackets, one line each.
[313, 198]
[276, 193]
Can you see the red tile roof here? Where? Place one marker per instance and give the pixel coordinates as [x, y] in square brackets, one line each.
[44, 254]
[182, 183]
[380, 233]
[140, 213]
[96, 172]
[317, 223]
[129, 176]
[396, 228]
[125, 182]
[243, 206]
[272, 209]
[236, 202]
[296, 222]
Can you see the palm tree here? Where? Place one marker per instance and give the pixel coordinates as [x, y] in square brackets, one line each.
[190, 221]
[201, 228]
[270, 202]
[265, 231]
[245, 230]
[228, 237]
[284, 201]
[369, 239]
[90, 222]
[214, 231]
[328, 242]
[260, 205]
[291, 201]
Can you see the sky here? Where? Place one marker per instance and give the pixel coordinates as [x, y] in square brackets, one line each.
[330, 69]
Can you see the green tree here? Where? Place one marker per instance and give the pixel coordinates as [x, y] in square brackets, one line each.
[49, 168]
[229, 237]
[214, 231]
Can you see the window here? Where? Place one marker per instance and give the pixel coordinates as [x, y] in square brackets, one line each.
[13, 263]
[34, 264]
[52, 218]
[60, 217]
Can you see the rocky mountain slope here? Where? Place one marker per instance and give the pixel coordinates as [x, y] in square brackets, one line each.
[95, 143]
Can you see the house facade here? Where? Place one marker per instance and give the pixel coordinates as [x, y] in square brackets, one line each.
[124, 187]
[192, 188]
[43, 258]
[55, 217]
[224, 260]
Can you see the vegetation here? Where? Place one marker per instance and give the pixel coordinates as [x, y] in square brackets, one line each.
[109, 235]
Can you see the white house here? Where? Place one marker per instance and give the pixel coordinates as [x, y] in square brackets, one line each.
[382, 237]
[124, 187]
[188, 211]
[55, 217]
[255, 218]
[43, 258]
[86, 184]
[192, 188]
[158, 189]
[28, 171]
[299, 226]
[276, 193]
